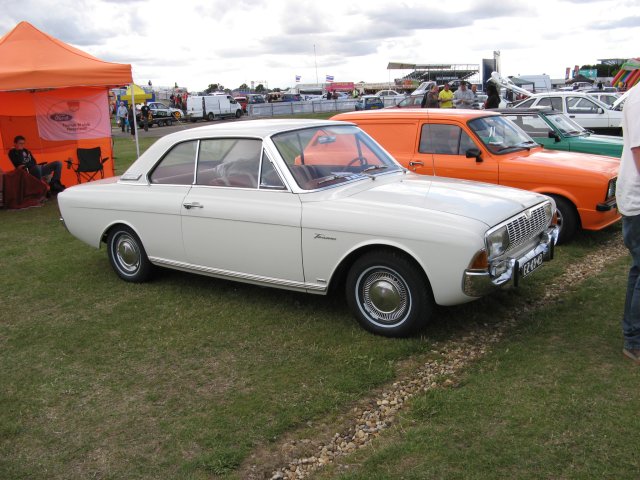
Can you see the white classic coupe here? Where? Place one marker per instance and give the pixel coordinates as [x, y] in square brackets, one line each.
[309, 205]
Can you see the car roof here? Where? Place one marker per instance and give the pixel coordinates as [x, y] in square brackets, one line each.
[530, 110]
[557, 93]
[249, 128]
[440, 113]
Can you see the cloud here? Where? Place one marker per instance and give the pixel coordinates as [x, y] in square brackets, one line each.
[425, 17]
[629, 22]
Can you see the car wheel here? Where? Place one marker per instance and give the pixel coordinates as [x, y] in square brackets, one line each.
[238, 113]
[211, 116]
[388, 295]
[127, 255]
[161, 123]
[567, 218]
[169, 122]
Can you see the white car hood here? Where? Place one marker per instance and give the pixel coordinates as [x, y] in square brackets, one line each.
[487, 203]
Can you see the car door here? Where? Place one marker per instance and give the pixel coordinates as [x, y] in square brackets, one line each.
[586, 112]
[160, 204]
[448, 145]
[239, 220]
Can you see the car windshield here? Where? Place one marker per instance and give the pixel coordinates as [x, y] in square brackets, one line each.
[328, 155]
[501, 135]
[566, 126]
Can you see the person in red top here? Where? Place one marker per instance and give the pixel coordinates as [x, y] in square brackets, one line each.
[23, 158]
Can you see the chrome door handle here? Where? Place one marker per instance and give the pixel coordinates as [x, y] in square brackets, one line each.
[415, 164]
[189, 206]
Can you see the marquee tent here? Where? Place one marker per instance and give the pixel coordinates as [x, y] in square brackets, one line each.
[56, 96]
[139, 95]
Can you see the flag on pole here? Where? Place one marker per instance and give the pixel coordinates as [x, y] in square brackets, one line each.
[329, 78]
[298, 77]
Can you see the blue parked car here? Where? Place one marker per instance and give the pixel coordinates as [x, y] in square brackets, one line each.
[369, 102]
[291, 97]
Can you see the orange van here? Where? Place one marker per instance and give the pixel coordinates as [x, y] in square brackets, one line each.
[485, 146]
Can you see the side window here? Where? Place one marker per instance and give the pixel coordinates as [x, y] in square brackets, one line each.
[553, 102]
[527, 103]
[177, 166]
[269, 178]
[443, 139]
[581, 105]
[229, 162]
[465, 143]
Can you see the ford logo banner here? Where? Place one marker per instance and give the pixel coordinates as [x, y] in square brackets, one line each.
[61, 117]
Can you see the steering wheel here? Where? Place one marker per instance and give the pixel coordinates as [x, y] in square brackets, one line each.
[363, 161]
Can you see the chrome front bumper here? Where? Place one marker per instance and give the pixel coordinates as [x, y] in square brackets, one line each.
[477, 283]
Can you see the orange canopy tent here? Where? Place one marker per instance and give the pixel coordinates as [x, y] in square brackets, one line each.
[56, 96]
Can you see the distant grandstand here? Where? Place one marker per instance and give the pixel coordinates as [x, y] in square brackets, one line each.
[440, 73]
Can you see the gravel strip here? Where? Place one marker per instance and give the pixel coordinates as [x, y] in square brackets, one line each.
[367, 422]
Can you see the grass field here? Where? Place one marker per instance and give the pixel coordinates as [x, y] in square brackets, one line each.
[186, 377]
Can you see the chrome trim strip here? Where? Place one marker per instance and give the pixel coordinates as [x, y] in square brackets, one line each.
[240, 277]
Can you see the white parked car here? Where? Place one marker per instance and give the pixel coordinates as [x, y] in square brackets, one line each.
[390, 97]
[585, 110]
[388, 93]
[311, 205]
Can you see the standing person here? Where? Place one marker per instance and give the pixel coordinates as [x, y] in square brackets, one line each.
[445, 97]
[474, 90]
[463, 98]
[23, 158]
[144, 116]
[121, 115]
[430, 100]
[628, 197]
[131, 116]
[493, 99]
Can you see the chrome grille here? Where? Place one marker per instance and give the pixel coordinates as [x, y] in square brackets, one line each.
[527, 225]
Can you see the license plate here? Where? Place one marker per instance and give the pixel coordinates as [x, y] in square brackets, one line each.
[530, 265]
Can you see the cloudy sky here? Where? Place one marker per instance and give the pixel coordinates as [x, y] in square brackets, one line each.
[198, 42]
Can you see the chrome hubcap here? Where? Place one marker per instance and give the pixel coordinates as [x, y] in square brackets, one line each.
[385, 296]
[127, 253]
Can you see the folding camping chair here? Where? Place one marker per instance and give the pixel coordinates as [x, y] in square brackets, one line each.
[90, 163]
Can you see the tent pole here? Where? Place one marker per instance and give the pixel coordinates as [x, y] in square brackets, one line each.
[133, 107]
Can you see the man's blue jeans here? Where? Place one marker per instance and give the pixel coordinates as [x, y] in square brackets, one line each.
[40, 171]
[631, 319]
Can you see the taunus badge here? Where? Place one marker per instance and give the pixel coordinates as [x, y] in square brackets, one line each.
[320, 236]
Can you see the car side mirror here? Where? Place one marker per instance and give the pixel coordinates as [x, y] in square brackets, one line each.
[600, 110]
[474, 153]
[554, 135]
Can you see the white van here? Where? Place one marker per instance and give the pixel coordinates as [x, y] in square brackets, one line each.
[210, 107]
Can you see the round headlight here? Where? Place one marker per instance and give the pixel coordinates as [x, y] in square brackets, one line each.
[497, 242]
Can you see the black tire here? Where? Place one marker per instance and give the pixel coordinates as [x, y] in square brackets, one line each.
[238, 113]
[169, 122]
[211, 116]
[388, 295]
[567, 219]
[161, 123]
[127, 255]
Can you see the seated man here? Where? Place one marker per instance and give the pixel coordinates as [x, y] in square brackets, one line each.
[22, 158]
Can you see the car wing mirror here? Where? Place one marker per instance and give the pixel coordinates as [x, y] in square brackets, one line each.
[474, 153]
[554, 135]
[600, 110]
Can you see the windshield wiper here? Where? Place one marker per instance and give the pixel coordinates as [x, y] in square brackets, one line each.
[374, 167]
[331, 178]
[519, 145]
